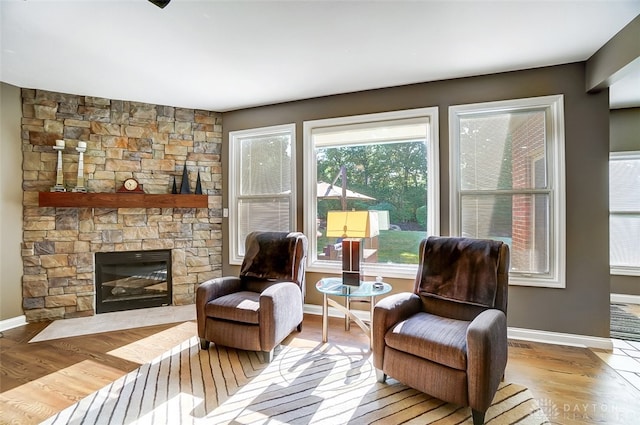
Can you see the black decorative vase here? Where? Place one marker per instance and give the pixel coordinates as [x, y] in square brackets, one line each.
[184, 187]
[198, 185]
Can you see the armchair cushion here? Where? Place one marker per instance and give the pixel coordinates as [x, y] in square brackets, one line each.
[242, 306]
[438, 339]
[460, 269]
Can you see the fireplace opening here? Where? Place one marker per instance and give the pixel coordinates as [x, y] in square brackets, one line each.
[133, 279]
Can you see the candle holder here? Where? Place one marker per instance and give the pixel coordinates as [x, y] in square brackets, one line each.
[59, 187]
[82, 147]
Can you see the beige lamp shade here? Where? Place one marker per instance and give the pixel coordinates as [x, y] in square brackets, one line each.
[352, 224]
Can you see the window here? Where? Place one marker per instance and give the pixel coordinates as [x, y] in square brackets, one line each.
[261, 184]
[507, 182]
[624, 213]
[387, 163]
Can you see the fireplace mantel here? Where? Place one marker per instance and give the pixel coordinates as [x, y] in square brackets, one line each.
[120, 200]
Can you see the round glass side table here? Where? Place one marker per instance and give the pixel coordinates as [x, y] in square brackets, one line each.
[334, 286]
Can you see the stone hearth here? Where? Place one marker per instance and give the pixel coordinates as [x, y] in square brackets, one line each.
[151, 143]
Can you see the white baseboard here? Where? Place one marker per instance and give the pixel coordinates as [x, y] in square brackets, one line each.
[625, 299]
[14, 322]
[512, 333]
[560, 338]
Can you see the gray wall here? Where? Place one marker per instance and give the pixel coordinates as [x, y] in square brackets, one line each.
[583, 306]
[625, 136]
[10, 202]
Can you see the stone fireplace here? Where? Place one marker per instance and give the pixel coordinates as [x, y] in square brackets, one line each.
[151, 143]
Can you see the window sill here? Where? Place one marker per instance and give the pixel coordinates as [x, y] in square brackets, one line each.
[625, 271]
[399, 271]
[536, 282]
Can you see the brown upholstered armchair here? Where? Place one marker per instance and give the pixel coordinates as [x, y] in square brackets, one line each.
[261, 307]
[449, 337]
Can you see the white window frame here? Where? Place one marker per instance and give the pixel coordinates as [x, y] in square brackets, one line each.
[234, 182]
[624, 270]
[555, 151]
[310, 188]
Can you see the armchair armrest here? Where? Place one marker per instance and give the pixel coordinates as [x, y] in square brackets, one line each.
[486, 356]
[212, 289]
[387, 312]
[280, 311]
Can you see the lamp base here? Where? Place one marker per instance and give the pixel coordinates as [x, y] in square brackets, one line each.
[351, 278]
[351, 255]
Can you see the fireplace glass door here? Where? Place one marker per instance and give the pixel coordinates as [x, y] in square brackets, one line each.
[131, 280]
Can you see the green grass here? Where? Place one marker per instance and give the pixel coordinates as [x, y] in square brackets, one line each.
[399, 247]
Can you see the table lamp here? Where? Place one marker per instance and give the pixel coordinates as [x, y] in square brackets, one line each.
[352, 226]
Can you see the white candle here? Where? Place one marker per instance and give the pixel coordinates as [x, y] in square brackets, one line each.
[81, 144]
[59, 175]
[60, 143]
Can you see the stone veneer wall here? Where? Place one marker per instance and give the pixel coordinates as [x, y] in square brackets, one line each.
[124, 139]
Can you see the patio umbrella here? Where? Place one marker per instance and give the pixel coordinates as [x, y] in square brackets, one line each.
[328, 191]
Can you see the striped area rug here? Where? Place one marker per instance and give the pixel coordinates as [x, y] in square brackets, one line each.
[324, 384]
[624, 325]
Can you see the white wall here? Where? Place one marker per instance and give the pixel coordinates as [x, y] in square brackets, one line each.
[10, 203]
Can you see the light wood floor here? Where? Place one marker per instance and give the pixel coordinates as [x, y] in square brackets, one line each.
[572, 385]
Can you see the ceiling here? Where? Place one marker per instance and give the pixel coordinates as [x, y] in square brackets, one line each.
[227, 55]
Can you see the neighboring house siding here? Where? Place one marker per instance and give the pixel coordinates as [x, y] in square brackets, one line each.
[529, 135]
